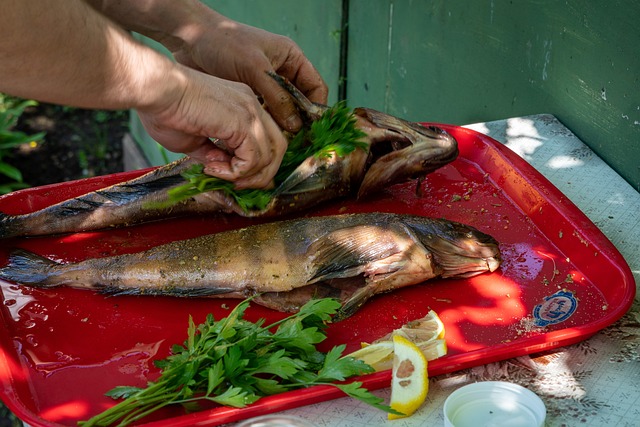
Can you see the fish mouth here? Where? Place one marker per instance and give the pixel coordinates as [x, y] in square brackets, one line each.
[400, 150]
[462, 251]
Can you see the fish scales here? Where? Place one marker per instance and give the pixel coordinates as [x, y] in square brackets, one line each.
[350, 257]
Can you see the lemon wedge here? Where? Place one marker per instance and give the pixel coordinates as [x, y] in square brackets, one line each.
[428, 328]
[433, 349]
[410, 381]
[380, 355]
[426, 333]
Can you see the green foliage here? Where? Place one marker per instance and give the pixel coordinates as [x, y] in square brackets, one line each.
[93, 155]
[335, 132]
[10, 110]
[235, 362]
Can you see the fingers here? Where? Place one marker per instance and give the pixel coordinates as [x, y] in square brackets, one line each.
[307, 79]
[255, 159]
[279, 103]
[251, 143]
[301, 73]
[252, 164]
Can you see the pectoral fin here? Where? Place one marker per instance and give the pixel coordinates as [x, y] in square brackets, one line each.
[348, 252]
[409, 266]
[305, 178]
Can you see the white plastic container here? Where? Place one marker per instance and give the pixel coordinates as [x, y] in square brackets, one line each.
[494, 404]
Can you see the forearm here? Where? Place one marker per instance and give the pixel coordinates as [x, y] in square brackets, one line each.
[202, 39]
[63, 51]
[173, 23]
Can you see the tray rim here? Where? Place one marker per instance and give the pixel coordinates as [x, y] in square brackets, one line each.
[545, 190]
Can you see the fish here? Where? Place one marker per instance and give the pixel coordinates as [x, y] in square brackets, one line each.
[397, 151]
[281, 264]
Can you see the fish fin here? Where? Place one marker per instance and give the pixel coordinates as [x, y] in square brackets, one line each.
[346, 252]
[310, 110]
[302, 180]
[28, 268]
[291, 301]
[311, 177]
[353, 304]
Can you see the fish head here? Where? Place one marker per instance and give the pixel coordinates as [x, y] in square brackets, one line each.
[459, 250]
[400, 150]
[397, 150]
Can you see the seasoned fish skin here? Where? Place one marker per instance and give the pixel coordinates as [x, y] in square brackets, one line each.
[116, 205]
[351, 257]
[397, 151]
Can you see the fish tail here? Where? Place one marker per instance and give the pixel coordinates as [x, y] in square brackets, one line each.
[28, 268]
[8, 226]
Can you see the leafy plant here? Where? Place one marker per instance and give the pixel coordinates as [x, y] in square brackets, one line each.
[10, 111]
[93, 156]
[235, 362]
[335, 132]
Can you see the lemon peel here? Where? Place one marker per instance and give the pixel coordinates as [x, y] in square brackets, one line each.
[426, 333]
[410, 380]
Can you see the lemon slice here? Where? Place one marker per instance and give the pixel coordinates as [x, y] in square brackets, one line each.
[433, 349]
[428, 328]
[427, 333]
[380, 355]
[410, 381]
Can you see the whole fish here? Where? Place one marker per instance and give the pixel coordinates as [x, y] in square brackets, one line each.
[397, 150]
[284, 263]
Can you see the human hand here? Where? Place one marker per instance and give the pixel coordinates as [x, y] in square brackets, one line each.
[250, 146]
[233, 51]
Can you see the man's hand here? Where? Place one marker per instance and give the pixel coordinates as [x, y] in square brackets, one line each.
[238, 52]
[248, 145]
[204, 40]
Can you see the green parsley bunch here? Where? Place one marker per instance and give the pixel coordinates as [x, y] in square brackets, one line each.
[235, 362]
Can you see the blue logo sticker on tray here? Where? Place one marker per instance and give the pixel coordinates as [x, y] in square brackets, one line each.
[555, 308]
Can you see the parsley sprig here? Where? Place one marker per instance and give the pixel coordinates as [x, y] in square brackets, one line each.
[335, 131]
[235, 362]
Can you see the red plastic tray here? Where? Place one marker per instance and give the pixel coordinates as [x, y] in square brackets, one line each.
[61, 349]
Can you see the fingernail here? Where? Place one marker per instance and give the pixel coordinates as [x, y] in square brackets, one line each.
[293, 123]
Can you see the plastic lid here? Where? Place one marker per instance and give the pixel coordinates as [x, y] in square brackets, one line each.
[275, 420]
[494, 404]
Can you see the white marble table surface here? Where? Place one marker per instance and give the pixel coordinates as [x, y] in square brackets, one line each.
[593, 383]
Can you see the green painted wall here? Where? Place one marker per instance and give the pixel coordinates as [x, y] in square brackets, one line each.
[313, 25]
[461, 61]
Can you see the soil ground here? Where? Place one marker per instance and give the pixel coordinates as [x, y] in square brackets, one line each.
[78, 144]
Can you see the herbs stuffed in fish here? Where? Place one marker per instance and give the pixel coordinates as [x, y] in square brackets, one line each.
[385, 150]
[284, 264]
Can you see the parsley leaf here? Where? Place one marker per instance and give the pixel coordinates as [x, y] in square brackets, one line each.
[356, 391]
[337, 368]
